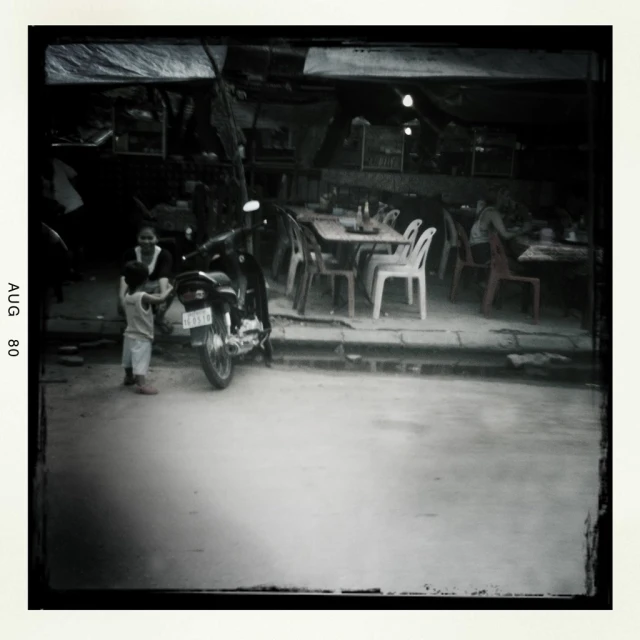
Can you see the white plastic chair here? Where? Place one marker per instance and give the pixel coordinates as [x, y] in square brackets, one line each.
[284, 242]
[389, 218]
[400, 255]
[450, 242]
[413, 269]
[297, 254]
[382, 209]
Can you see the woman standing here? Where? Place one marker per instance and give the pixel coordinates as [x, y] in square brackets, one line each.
[159, 263]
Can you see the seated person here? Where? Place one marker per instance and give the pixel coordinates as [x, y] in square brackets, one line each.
[159, 262]
[500, 213]
[569, 209]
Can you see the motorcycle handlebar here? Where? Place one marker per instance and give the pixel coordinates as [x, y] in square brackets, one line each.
[188, 256]
[203, 248]
[260, 225]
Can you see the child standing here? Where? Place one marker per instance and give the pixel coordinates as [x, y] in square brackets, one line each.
[138, 336]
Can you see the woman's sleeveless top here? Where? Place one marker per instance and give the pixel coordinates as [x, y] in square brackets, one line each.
[481, 228]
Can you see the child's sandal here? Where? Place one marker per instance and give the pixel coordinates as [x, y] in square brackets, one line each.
[146, 390]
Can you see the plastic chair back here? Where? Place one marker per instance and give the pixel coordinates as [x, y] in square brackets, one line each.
[282, 221]
[380, 213]
[295, 235]
[464, 248]
[449, 228]
[311, 244]
[411, 234]
[391, 217]
[418, 257]
[499, 262]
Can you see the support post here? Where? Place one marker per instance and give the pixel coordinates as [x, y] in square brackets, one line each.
[255, 239]
[236, 160]
[588, 321]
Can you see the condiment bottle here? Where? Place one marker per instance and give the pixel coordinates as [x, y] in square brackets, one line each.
[359, 217]
[366, 216]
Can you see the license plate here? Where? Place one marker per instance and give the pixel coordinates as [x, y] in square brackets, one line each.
[197, 318]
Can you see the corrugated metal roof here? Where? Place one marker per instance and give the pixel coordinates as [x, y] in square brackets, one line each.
[106, 64]
[445, 64]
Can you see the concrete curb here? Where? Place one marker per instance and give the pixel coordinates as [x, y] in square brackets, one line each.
[329, 339]
[485, 368]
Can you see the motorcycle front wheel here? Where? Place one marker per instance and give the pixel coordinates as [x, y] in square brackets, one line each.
[216, 362]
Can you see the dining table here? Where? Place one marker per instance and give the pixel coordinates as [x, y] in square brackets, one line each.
[569, 258]
[535, 250]
[307, 215]
[340, 230]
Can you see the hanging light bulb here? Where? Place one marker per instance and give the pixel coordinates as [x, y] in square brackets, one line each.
[407, 101]
[407, 131]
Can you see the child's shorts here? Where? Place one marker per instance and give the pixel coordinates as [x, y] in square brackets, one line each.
[136, 355]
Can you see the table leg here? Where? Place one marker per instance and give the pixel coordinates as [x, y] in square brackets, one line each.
[347, 260]
[359, 273]
[342, 256]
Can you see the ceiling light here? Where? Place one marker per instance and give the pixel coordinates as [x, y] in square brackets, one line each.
[407, 131]
[407, 101]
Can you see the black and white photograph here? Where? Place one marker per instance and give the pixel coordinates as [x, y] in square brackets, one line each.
[320, 316]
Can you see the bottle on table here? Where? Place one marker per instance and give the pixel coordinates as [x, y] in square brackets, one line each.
[366, 217]
[359, 217]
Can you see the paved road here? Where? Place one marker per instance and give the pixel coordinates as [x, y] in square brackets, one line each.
[319, 480]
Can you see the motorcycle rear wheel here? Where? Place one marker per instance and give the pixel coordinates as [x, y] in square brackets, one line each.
[216, 362]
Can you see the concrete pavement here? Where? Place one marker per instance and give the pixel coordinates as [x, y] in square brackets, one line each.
[321, 481]
[455, 329]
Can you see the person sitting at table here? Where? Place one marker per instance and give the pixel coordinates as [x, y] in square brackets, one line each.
[570, 209]
[377, 203]
[159, 263]
[499, 213]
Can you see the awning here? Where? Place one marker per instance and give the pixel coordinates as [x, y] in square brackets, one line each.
[445, 64]
[109, 64]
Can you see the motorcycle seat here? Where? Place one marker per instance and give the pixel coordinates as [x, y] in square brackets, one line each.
[220, 278]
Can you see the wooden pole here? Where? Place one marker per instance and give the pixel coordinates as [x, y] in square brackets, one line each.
[588, 321]
[254, 144]
[256, 115]
[236, 160]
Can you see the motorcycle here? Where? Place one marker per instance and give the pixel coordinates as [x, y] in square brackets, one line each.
[226, 307]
